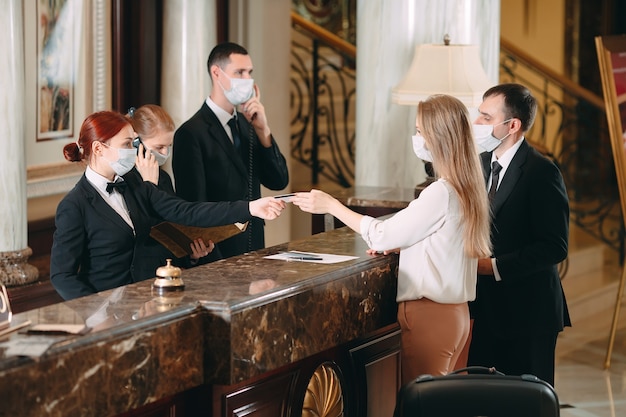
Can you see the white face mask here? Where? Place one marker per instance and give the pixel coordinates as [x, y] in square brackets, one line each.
[484, 138]
[160, 158]
[419, 147]
[125, 160]
[241, 89]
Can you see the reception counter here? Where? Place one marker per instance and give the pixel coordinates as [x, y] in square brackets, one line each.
[247, 336]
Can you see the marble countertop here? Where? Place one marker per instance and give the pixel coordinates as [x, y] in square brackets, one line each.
[236, 319]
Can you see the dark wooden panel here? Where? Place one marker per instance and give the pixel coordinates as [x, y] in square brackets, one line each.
[317, 220]
[36, 295]
[267, 398]
[368, 369]
[40, 234]
[137, 50]
[378, 364]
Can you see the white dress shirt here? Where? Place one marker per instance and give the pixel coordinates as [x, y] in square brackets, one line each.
[504, 161]
[429, 233]
[114, 199]
[223, 116]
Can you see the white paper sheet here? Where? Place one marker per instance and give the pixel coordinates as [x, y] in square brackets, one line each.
[31, 346]
[313, 257]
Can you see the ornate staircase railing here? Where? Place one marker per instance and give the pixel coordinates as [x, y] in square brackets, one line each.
[571, 125]
[323, 98]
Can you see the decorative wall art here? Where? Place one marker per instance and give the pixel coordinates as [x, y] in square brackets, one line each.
[56, 58]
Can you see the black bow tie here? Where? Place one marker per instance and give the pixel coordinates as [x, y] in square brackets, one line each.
[119, 185]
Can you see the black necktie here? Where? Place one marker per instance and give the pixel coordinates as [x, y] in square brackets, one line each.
[119, 185]
[495, 177]
[234, 129]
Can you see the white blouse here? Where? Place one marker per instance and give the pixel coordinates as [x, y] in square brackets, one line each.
[429, 234]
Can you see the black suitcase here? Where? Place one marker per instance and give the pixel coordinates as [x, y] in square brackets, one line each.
[481, 392]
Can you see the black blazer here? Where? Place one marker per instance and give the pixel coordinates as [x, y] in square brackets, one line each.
[530, 229]
[207, 167]
[151, 252]
[94, 249]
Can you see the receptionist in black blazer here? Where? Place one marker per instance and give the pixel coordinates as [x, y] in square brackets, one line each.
[100, 223]
[155, 128]
[216, 160]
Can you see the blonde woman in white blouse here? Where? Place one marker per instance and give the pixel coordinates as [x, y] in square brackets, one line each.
[440, 235]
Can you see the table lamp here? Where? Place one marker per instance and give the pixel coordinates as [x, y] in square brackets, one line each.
[455, 70]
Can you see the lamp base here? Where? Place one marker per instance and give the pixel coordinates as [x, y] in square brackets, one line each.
[430, 178]
[420, 187]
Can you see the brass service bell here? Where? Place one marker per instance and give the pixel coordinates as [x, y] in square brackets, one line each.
[168, 278]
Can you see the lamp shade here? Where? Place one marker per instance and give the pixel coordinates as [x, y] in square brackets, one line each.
[455, 70]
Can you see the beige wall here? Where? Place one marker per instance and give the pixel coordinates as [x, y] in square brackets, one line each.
[537, 26]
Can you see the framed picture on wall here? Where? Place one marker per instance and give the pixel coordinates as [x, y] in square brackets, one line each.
[85, 30]
[56, 60]
[612, 62]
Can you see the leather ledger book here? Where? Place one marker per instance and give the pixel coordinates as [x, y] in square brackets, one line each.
[178, 238]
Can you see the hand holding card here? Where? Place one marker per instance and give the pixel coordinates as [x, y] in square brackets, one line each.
[285, 197]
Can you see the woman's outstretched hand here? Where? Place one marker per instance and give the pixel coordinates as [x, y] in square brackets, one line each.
[315, 201]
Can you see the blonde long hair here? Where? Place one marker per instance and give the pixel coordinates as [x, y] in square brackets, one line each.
[444, 123]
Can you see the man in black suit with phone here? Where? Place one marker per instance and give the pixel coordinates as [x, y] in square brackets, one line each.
[225, 154]
[520, 306]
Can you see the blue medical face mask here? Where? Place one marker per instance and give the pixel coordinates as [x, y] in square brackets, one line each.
[484, 138]
[419, 147]
[160, 158]
[125, 160]
[241, 89]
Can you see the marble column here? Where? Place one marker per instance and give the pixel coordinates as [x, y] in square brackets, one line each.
[386, 39]
[189, 34]
[14, 251]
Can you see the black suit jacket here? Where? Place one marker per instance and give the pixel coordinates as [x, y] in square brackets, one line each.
[94, 249]
[530, 229]
[150, 252]
[208, 168]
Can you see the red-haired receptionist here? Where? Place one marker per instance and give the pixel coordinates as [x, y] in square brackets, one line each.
[103, 219]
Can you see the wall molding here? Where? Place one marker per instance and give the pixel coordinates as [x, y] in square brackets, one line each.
[45, 180]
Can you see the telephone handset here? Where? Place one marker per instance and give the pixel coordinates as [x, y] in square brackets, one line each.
[136, 143]
[255, 93]
[251, 144]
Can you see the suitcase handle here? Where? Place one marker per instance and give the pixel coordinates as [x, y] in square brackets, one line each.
[477, 370]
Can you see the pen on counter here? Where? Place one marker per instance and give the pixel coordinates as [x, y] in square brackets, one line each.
[305, 258]
[300, 253]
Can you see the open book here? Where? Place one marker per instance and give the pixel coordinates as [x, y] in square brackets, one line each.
[178, 238]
